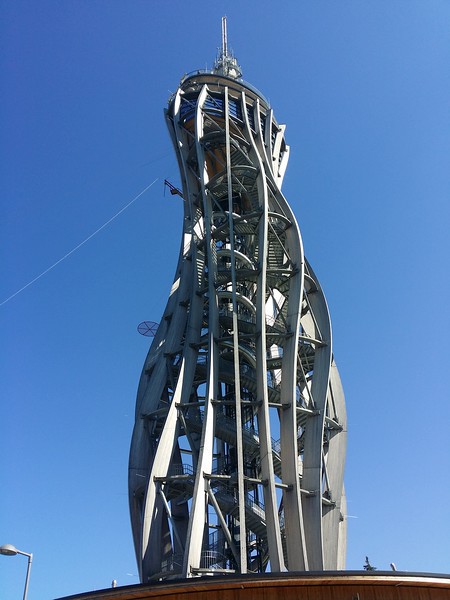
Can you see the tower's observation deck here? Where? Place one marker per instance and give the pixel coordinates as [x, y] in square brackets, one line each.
[237, 456]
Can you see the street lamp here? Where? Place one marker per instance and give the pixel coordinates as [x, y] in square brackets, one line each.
[9, 550]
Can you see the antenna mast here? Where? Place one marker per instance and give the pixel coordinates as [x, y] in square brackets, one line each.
[224, 38]
[225, 63]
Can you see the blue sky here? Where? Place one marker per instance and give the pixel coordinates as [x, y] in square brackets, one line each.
[364, 90]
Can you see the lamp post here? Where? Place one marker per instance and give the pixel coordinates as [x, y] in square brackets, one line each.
[10, 550]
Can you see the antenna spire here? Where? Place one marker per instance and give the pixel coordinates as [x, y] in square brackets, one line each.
[224, 37]
[225, 63]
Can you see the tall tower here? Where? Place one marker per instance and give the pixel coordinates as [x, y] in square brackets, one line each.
[238, 449]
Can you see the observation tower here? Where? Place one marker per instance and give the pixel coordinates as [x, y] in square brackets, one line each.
[238, 450]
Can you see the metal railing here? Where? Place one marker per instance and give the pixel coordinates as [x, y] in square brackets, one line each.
[174, 563]
[210, 559]
[180, 469]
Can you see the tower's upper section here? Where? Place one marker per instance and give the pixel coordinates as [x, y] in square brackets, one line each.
[207, 99]
[226, 72]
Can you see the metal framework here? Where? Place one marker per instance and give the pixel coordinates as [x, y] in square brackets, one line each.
[238, 450]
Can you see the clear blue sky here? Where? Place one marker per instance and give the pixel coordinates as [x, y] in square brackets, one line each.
[364, 89]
